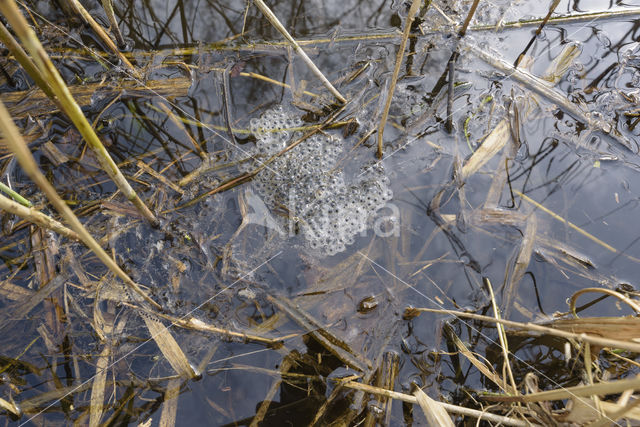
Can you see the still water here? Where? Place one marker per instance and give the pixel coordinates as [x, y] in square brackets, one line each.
[561, 191]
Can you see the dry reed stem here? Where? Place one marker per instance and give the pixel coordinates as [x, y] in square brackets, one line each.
[600, 341]
[598, 389]
[103, 36]
[454, 409]
[36, 217]
[276, 23]
[413, 10]
[197, 325]
[70, 107]
[22, 104]
[25, 158]
[181, 126]
[148, 169]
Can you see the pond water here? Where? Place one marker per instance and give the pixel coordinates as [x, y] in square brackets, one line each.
[425, 230]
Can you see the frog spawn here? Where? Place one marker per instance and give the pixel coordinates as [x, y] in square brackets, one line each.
[307, 183]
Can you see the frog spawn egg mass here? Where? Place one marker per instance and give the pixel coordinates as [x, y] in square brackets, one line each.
[305, 180]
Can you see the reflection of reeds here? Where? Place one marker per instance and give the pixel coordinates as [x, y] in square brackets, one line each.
[413, 10]
[276, 23]
[45, 71]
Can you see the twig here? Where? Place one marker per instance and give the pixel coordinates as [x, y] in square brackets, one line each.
[413, 10]
[276, 23]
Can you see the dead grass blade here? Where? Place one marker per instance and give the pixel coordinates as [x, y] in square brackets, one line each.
[434, 411]
[523, 257]
[502, 336]
[169, 347]
[618, 328]
[492, 144]
[10, 407]
[413, 10]
[98, 386]
[332, 343]
[485, 368]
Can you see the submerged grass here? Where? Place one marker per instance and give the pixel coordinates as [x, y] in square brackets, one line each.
[350, 374]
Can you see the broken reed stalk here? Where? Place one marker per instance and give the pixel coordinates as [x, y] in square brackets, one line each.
[97, 28]
[273, 19]
[16, 144]
[48, 73]
[111, 16]
[413, 10]
[591, 339]
[36, 217]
